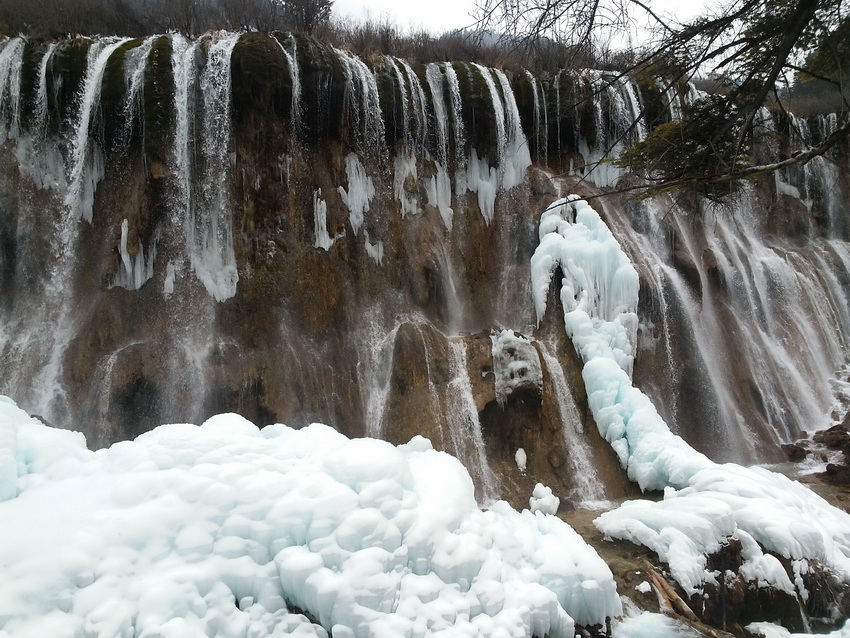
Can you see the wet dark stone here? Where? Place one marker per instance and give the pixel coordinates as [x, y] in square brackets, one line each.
[794, 452]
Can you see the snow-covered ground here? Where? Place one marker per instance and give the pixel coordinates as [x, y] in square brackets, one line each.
[228, 530]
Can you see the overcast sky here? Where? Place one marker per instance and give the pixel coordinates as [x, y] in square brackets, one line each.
[438, 16]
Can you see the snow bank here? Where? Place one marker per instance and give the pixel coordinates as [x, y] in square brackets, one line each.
[704, 503]
[224, 529]
[769, 630]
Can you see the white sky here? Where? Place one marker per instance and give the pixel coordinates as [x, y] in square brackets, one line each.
[438, 16]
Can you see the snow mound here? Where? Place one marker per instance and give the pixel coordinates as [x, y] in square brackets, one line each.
[543, 500]
[229, 530]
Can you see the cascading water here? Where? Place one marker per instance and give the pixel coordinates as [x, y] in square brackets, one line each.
[465, 426]
[11, 60]
[86, 163]
[439, 187]
[324, 240]
[588, 485]
[295, 79]
[210, 233]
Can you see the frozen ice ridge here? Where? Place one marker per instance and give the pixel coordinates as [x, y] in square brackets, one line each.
[705, 503]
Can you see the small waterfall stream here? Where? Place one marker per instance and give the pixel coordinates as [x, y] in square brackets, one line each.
[588, 485]
[86, 162]
[465, 426]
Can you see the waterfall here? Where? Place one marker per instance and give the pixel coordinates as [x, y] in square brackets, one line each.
[512, 155]
[376, 365]
[742, 347]
[211, 234]
[86, 160]
[135, 65]
[457, 114]
[498, 111]
[362, 103]
[435, 78]
[11, 61]
[464, 425]
[39, 126]
[540, 124]
[416, 101]
[587, 483]
[439, 187]
[295, 78]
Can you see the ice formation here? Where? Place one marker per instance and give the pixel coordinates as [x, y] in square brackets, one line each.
[543, 500]
[648, 625]
[704, 503]
[360, 191]
[224, 529]
[521, 459]
[515, 363]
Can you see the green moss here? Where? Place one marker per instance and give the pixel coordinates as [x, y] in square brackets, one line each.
[654, 104]
[113, 88]
[262, 85]
[322, 89]
[391, 106]
[66, 75]
[478, 117]
[33, 53]
[159, 112]
[524, 96]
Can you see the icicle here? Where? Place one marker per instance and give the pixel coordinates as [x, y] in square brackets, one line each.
[599, 280]
[321, 237]
[86, 160]
[360, 191]
[376, 250]
[515, 364]
[134, 271]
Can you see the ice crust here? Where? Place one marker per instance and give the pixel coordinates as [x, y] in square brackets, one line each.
[704, 503]
[220, 530]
